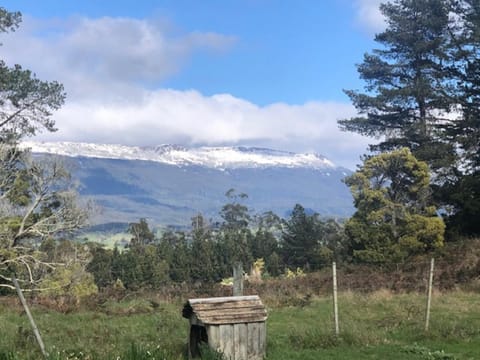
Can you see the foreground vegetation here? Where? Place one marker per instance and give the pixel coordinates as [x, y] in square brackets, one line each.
[378, 325]
[421, 96]
[420, 100]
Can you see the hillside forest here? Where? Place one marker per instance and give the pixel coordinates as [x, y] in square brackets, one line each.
[416, 191]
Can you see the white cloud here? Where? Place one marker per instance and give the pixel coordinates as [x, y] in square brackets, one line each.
[369, 15]
[189, 118]
[112, 69]
[93, 56]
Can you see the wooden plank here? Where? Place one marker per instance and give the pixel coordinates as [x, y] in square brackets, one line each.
[262, 340]
[230, 312]
[221, 342]
[227, 346]
[252, 340]
[240, 336]
[256, 327]
[224, 299]
[228, 320]
[213, 333]
[252, 315]
[260, 316]
[260, 309]
[210, 312]
[227, 306]
[200, 315]
[236, 342]
[238, 279]
[230, 305]
[226, 309]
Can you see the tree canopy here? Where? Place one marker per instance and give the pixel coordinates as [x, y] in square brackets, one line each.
[422, 92]
[405, 102]
[395, 217]
[26, 103]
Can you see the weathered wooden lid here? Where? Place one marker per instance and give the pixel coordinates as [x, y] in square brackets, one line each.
[226, 310]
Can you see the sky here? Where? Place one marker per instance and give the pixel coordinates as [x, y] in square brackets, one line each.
[268, 73]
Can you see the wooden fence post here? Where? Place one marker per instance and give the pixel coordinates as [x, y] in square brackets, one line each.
[29, 315]
[335, 302]
[429, 294]
[238, 279]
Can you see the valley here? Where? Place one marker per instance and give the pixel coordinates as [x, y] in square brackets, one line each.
[168, 185]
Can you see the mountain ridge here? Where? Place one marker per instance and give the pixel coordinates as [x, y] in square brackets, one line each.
[169, 184]
[226, 157]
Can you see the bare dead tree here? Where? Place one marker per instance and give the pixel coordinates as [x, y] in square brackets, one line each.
[41, 202]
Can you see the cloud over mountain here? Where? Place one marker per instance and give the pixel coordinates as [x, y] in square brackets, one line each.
[113, 70]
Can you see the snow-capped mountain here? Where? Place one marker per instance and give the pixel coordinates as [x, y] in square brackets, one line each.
[213, 157]
[169, 184]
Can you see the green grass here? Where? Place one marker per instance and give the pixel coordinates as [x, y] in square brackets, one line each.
[97, 335]
[374, 326]
[379, 326]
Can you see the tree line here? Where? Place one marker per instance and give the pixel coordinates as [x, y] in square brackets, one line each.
[208, 251]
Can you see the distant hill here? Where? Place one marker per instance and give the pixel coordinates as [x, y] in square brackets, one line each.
[169, 184]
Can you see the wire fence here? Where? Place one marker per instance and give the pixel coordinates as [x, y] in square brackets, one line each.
[335, 282]
[412, 276]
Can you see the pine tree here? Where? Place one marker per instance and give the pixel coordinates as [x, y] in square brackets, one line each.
[202, 251]
[461, 194]
[301, 237]
[406, 97]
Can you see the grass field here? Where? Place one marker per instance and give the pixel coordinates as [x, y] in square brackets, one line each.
[379, 325]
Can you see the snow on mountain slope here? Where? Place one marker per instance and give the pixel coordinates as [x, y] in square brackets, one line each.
[213, 157]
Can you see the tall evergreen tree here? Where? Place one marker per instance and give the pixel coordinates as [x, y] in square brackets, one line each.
[100, 266]
[180, 265]
[405, 100]
[301, 237]
[465, 73]
[202, 251]
[423, 92]
[461, 194]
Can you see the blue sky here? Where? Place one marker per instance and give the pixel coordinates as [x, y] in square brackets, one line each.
[238, 72]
